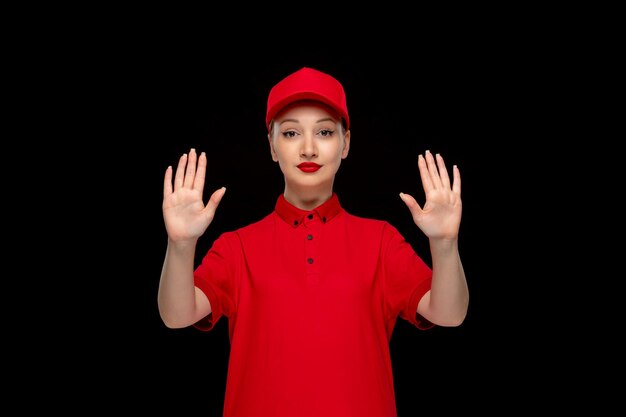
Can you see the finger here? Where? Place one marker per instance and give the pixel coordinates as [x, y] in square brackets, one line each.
[426, 182]
[443, 172]
[191, 168]
[456, 184]
[180, 172]
[167, 183]
[432, 170]
[198, 182]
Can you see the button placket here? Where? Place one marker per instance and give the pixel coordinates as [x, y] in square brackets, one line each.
[311, 226]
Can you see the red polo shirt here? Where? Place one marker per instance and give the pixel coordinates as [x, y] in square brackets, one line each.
[312, 298]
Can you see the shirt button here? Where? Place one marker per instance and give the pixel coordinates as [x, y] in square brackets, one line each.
[324, 219]
[310, 260]
[310, 237]
[310, 216]
[295, 222]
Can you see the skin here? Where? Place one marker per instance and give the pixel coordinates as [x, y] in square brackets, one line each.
[309, 132]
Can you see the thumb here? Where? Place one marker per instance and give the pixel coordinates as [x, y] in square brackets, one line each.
[410, 202]
[214, 201]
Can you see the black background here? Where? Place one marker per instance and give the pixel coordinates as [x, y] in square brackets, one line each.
[155, 102]
[100, 101]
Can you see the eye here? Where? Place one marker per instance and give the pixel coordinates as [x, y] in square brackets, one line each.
[326, 132]
[289, 134]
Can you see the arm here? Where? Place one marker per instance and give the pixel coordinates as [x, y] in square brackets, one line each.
[186, 219]
[446, 303]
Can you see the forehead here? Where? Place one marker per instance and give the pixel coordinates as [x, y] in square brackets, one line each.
[307, 109]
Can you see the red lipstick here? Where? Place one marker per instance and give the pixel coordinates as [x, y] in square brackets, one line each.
[309, 166]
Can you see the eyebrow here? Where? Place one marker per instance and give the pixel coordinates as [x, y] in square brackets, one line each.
[326, 119]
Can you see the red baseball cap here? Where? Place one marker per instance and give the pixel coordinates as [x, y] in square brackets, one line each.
[307, 84]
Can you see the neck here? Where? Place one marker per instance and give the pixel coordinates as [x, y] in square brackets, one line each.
[307, 199]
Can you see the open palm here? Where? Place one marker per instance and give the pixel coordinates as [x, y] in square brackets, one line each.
[185, 214]
[440, 217]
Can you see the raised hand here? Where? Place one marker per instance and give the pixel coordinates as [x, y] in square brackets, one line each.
[440, 216]
[185, 214]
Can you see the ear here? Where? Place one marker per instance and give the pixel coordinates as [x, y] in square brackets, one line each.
[272, 151]
[346, 145]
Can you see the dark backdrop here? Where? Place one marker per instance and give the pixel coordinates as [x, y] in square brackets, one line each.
[158, 102]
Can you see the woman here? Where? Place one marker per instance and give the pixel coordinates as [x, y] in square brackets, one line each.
[311, 292]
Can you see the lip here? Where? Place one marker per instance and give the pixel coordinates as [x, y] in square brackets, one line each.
[309, 166]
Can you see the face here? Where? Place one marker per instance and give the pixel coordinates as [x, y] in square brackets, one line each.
[308, 142]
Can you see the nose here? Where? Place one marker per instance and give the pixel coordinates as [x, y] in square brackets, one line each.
[309, 147]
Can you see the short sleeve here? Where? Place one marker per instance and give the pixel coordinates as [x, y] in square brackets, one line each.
[406, 278]
[216, 277]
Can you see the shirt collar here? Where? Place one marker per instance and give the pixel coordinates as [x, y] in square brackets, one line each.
[295, 216]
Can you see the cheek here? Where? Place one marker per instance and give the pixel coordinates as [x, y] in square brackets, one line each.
[279, 152]
[334, 150]
[282, 154]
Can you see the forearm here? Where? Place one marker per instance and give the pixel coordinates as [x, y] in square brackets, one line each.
[176, 296]
[449, 295]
